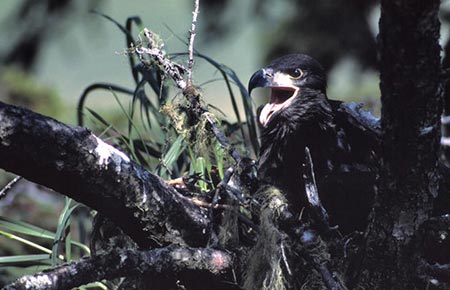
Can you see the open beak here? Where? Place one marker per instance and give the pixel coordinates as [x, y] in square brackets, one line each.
[282, 94]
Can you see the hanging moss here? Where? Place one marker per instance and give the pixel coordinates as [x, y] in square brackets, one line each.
[264, 270]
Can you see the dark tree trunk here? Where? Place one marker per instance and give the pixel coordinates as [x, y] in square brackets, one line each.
[446, 118]
[411, 108]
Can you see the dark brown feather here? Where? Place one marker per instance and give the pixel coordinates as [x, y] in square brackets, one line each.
[343, 142]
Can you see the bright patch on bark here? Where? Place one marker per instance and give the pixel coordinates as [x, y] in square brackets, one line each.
[107, 154]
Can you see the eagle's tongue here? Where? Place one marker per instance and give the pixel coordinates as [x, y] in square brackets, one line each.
[279, 99]
[267, 112]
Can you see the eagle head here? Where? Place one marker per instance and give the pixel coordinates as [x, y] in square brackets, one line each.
[288, 77]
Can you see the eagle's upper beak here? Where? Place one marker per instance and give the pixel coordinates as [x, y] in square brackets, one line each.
[261, 79]
[282, 95]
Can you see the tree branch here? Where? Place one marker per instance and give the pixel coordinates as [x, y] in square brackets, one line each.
[74, 162]
[176, 72]
[315, 206]
[4, 191]
[126, 263]
[191, 41]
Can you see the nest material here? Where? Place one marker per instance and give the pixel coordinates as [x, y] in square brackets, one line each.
[264, 266]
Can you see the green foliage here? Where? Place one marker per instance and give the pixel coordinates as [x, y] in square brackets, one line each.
[155, 130]
[63, 227]
[34, 237]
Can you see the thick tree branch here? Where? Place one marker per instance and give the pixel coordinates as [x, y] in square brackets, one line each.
[72, 161]
[126, 263]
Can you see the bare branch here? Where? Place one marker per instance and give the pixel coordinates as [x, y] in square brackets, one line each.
[9, 186]
[155, 51]
[125, 263]
[72, 161]
[191, 41]
[318, 212]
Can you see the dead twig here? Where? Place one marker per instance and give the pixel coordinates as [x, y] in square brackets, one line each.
[213, 239]
[191, 41]
[4, 191]
[157, 54]
[318, 212]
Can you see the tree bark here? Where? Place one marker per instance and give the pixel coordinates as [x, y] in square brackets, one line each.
[446, 115]
[72, 161]
[126, 263]
[411, 89]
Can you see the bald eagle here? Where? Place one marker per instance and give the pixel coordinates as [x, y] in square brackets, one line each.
[342, 138]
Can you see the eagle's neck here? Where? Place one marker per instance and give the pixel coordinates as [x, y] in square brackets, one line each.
[306, 122]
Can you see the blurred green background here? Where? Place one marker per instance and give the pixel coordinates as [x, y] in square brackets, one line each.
[74, 48]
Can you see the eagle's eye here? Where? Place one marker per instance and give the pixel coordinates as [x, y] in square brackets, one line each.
[296, 73]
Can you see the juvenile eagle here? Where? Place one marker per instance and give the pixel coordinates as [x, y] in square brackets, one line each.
[342, 138]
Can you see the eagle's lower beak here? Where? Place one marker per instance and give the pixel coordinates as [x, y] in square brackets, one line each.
[283, 91]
